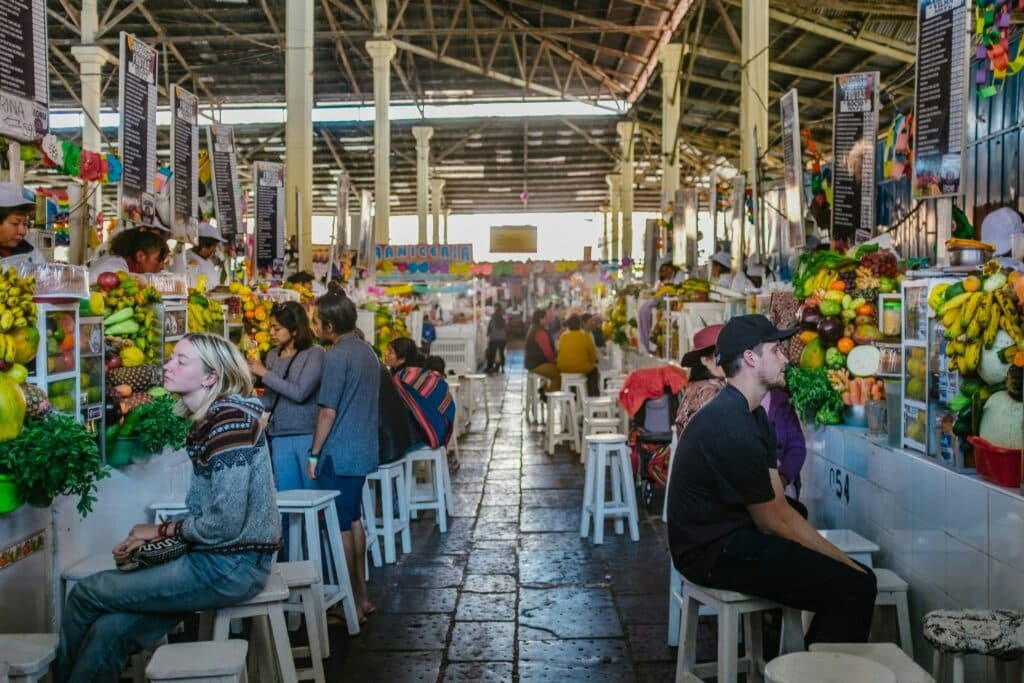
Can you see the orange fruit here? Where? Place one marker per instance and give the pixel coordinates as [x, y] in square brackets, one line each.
[972, 283]
[845, 345]
[838, 285]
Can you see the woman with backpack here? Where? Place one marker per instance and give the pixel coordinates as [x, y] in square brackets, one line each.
[497, 336]
[431, 410]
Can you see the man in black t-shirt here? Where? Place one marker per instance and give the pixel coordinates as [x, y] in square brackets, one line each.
[729, 525]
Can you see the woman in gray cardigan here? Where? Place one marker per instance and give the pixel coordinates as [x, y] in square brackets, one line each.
[291, 380]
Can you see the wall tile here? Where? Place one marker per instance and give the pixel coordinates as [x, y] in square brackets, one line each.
[1005, 586]
[1006, 528]
[966, 509]
[928, 554]
[966, 575]
[856, 456]
[929, 493]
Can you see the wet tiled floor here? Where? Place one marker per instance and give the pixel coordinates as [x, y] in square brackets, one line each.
[511, 592]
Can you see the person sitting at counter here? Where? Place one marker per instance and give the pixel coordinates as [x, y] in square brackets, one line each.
[577, 354]
[728, 521]
[540, 355]
[16, 215]
[137, 250]
[199, 259]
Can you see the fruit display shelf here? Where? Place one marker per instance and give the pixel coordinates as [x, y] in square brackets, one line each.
[58, 361]
[92, 399]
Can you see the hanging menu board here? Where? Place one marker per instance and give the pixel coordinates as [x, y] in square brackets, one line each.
[226, 200]
[269, 177]
[136, 139]
[940, 96]
[184, 164]
[792, 168]
[854, 131]
[24, 82]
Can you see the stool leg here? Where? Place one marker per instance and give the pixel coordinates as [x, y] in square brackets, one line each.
[410, 488]
[630, 493]
[617, 494]
[958, 668]
[221, 625]
[439, 497]
[387, 516]
[937, 665]
[599, 481]
[312, 524]
[347, 597]
[403, 515]
[320, 611]
[754, 644]
[903, 619]
[295, 553]
[283, 649]
[791, 638]
[313, 635]
[549, 435]
[588, 497]
[449, 497]
[675, 585]
[728, 636]
[687, 655]
[370, 523]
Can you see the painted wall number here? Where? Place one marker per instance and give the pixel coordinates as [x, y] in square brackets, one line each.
[839, 483]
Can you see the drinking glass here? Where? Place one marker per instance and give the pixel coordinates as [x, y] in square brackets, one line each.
[876, 417]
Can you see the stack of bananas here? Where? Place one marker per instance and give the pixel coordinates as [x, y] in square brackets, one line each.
[973, 319]
[205, 315]
[16, 307]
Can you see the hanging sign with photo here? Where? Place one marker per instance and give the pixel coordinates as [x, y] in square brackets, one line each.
[269, 179]
[792, 168]
[136, 139]
[227, 201]
[184, 164]
[24, 81]
[854, 132]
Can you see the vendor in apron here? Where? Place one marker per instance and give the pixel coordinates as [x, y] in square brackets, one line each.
[135, 250]
[16, 216]
[199, 259]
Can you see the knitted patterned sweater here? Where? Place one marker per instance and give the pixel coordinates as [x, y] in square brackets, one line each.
[232, 506]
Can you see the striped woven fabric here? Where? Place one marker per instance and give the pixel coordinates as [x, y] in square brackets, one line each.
[426, 394]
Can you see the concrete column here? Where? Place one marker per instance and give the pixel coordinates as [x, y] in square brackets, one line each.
[447, 215]
[614, 189]
[626, 130]
[606, 238]
[754, 95]
[298, 134]
[436, 188]
[671, 55]
[91, 59]
[381, 51]
[422, 135]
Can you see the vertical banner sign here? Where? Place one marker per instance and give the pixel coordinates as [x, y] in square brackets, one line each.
[713, 205]
[678, 245]
[269, 180]
[739, 207]
[940, 96]
[342, 237]
[24, 81]
[792, 168]
[184, 164]
[688, 199]
[226, 200]
[651, 255]
[854, 131]
[136, 139]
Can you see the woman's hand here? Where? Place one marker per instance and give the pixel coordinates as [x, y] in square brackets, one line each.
[257, 367]
[145, 532]
[123, 550]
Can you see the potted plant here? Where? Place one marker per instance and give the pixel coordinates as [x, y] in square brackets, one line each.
[157, 425]
[54, 456]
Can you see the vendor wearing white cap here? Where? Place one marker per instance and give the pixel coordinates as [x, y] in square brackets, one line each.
[16, 214]
[721, 274]
[199, 259]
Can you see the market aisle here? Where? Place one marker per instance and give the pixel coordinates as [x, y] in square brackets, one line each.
[512, 592]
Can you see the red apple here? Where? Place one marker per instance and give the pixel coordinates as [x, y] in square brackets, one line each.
[108, 281]
[114, 362]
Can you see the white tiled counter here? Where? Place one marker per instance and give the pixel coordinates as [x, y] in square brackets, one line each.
[956, 539]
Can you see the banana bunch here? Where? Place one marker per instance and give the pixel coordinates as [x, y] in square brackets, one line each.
[8, 351]
[957, 243]
[823, 279]
[972, 320]
[16, 307]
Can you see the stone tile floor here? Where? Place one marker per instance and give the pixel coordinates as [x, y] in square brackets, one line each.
[511, 592]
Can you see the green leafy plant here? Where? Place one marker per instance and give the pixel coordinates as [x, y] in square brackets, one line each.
[157, 426]
[54, 456]
[813, 397]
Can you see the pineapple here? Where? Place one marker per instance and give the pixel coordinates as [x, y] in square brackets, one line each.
[36, 402]
[139, 378]
[796, 347]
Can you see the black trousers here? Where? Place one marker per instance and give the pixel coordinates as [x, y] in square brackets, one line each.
[752, 562]
[495, 351]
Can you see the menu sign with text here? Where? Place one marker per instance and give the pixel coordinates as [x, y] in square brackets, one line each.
[184, 164]
[792, 168]
[226, 200]
[940, 95]
[269, 180]
[854, 131]
[136, 139]
[24, 82]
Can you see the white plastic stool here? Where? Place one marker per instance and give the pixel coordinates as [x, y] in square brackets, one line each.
[27, 655]
[598, 425]
[167, 508]
[205, 662]
[534, 406]
[892, 591]
[302, 508]
[731, 607]
[440, 498]
[475, 383]
[461, 408]
[303, 581]
[576, 383]
[608, 451]
[562, 423]
[851, 543]
[390, 478]
[3, 673]
[270, 603]
[825, 667]
[888, 655]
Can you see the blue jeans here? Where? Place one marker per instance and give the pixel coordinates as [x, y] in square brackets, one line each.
[350, 502]
[113, 615]
[290, 457]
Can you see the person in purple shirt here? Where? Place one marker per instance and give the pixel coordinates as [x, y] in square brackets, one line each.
[791, 449]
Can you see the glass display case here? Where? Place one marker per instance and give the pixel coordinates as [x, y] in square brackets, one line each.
[92, 345]
[57, 364]
[172, 320]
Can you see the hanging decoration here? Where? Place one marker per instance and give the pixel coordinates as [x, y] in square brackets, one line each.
[71, 160]
[993, 19]
[821, 189]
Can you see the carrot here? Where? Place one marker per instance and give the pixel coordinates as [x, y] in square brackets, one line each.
[855, 398]
[846, 397]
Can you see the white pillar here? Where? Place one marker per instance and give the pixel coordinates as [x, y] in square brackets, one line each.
[614, 188]
[754, 91]
[626, 131]
[436, 188]
[447, 215]
[606, 239]
[422, 135]
[91, 59]
[381, 51]
[298, 142]
[671, 56]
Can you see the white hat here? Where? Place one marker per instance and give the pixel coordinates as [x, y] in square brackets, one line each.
[207, 230]
[755, 269]
[13, 196]
[723, 259]
[998, 226]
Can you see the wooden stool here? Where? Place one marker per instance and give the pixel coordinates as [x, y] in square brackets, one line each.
[303, 508]
[562, 423]
[892, 592]
[206, 662]
[993, 633]
[388, 476]
[608, 451]
[835, 667]
[440, 498]
[268, 603]
[27, 655]
[888, 655]
[303, 582]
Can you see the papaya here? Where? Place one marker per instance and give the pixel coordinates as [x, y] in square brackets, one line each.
[12, 409]
[26, 344]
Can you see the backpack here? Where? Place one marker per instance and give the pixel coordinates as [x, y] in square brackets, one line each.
[427, 396]
[394, 435]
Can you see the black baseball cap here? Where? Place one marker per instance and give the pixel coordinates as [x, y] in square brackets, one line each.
[744, 332]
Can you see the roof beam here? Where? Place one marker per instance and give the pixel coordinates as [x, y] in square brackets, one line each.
[676, 18]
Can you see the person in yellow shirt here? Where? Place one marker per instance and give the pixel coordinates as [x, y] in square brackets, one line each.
[577, 353]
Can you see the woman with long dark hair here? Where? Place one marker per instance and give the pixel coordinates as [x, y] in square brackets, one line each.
[540, 354]
[291, 380]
